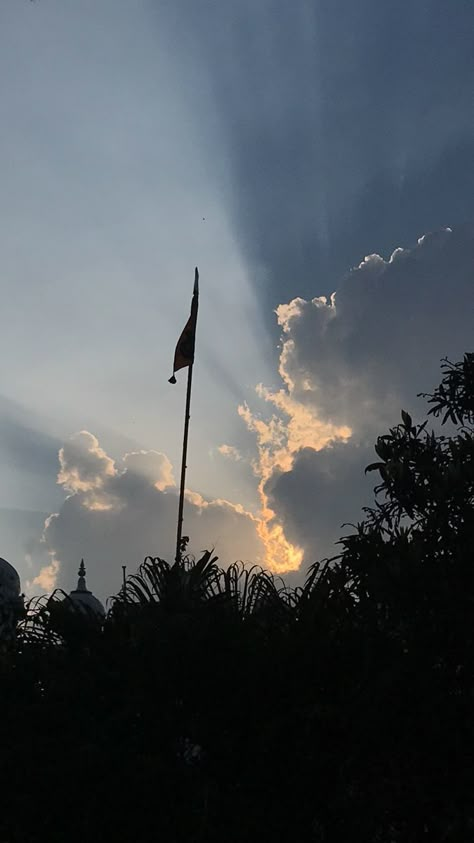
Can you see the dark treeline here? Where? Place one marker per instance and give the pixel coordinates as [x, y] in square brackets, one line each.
[216, 705]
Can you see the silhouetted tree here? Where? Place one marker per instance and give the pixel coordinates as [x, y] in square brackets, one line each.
[217, 704]
[409, 569]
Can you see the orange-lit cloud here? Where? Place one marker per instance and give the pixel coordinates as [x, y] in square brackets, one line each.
[279, 438]
[348, 364]
[231, 452]
[293, 425]
[47, 577]
[119, 512]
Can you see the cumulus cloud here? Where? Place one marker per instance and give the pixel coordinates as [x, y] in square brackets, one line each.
[152, 465]
[291, 427]
[348, 364]
[118, 512]
[47, 577]
[380, 336]
[84, 466]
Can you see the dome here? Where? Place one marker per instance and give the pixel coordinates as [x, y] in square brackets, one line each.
[10, 586]
[11, 601]
[82, 598]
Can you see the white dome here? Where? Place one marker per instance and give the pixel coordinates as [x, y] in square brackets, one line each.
[10, 586]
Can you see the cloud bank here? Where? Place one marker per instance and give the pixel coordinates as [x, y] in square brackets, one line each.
[348, 364]
[119, 512]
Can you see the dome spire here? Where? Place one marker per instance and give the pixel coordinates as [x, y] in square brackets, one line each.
[81, 583]
[83, 598]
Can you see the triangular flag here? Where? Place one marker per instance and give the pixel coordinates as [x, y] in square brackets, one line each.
[184, 353]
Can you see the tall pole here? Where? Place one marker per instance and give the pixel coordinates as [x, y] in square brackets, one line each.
[187, 416]
[184, 357]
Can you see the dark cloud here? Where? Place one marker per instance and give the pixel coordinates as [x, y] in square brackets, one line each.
[22, 443]
[381, 340]
[348, 127]
[392, 209]
[28, 459]
[19, 531]
[323, 491]
[355, 361]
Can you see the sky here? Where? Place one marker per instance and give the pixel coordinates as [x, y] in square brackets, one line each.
[315, 160]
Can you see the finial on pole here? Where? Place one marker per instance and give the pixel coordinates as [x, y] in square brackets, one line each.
[81, 584]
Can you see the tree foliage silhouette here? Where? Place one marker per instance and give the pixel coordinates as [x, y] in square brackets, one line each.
[218, 704]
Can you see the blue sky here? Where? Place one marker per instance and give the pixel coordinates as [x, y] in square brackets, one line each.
[106, 183]
[274, 145]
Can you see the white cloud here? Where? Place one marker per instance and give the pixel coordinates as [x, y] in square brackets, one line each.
[152, 465]
[84, 466]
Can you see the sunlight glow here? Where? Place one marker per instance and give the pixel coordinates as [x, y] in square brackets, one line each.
[279, 439]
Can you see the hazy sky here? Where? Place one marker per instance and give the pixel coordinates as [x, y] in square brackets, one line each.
[274, 145]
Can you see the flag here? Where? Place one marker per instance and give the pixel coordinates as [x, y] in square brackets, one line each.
[184, 353]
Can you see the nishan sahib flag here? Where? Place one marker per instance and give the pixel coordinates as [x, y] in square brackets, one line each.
[184, 353]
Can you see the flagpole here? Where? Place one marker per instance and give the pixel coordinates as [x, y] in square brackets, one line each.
[187, 416]
[184, 357]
